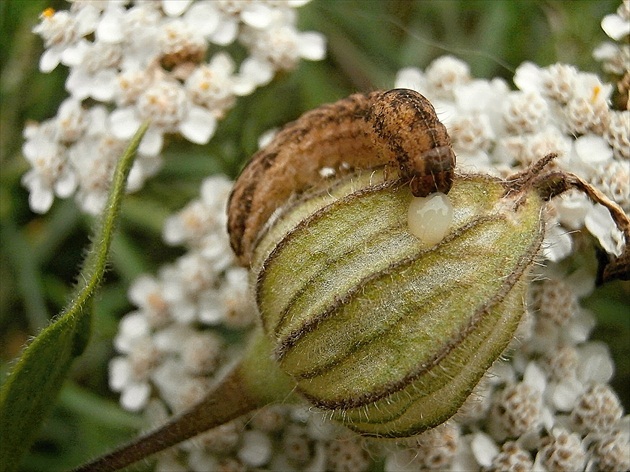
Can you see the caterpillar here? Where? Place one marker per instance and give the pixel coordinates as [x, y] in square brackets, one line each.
[397, 128]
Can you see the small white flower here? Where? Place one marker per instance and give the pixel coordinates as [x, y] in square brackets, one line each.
[134, 394]
[212, 86]
[226, 31]
[564, 394]
[94, 158]
[146, 293]
[130, 374]
[179, 43]
[590, 152]
[562, 451]
[141, 29]
[281, 44]
[169, 109]
[471, 133]
[528, 77]
[535, 377]
[587, 109]
[524, 112]
[257, 15]
[445, 74]
[556, 82]
[51, 173]
[41, 195]
[188, 225]
[215, 192]
[571, 208]
[254, 72]
[201, 353]
[71, 121]
[111, 26]
[618, 134]
[201, 224]
[165, 103]
[549, 140]
[199, 125]
[132, 327]
[185, 283]
[62, 31]
[144, 166]
[215, 249]
[239, 306]
[131, 85]
[95, 73]
[178, 389]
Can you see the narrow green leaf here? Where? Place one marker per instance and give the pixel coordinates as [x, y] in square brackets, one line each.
[29, 392]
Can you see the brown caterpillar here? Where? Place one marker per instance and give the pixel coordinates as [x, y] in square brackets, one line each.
[398, 127]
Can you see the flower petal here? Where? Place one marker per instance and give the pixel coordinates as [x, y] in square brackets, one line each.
[257, 15]
[124, 123]
[199, 125]
[50, 59]
[615, 27]
[175, 7]
[312, 46]
[135, 396]
[151, 143]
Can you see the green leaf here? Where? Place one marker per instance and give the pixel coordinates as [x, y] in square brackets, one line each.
[29, 392]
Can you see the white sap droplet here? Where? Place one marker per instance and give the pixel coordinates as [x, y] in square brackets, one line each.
[430, 217]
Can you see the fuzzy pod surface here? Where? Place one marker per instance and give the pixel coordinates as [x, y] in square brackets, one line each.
[388, 333]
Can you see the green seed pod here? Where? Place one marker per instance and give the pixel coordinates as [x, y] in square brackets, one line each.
[390, 333]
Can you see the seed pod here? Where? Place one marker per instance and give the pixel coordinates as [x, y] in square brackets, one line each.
[388, 332]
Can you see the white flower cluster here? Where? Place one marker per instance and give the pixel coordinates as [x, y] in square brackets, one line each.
[149, 61]
[547, 408]
[167, 342]
[556, 109]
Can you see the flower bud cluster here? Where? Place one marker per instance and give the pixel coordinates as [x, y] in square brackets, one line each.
[161, 61]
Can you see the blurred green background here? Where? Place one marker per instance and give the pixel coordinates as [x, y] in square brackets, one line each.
[368, 41]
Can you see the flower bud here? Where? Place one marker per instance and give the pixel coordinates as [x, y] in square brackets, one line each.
[387, 331]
